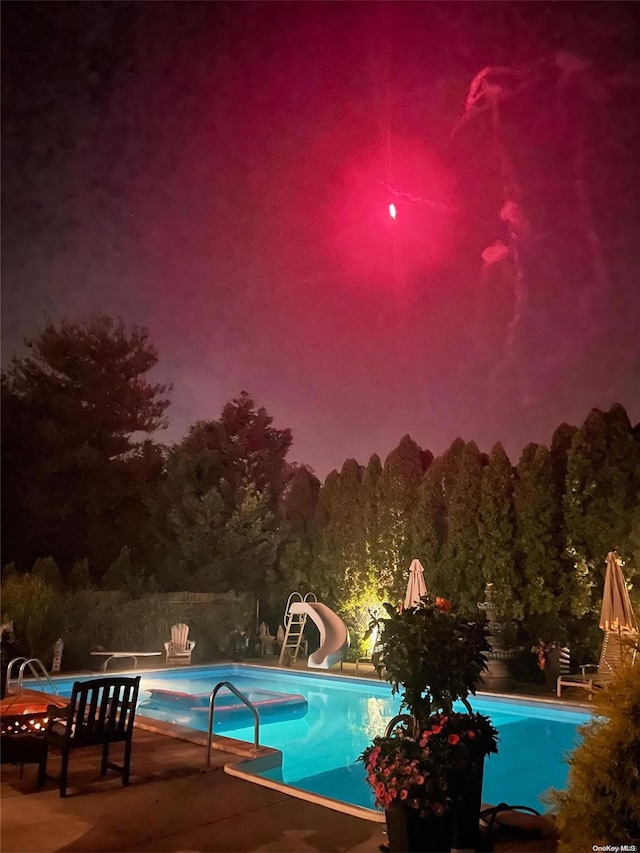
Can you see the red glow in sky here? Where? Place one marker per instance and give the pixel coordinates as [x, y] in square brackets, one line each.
[227, 173]
[374, 245]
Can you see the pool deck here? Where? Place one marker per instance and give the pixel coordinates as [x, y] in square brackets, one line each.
[172, 805]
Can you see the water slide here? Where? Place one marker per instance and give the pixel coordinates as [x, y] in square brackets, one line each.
[334, 636]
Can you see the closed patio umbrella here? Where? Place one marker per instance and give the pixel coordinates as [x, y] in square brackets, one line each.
[617, 613]
[416, 587]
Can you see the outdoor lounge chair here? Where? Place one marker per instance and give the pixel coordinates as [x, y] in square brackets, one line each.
[179, 647]
[613, 655]
[100, 712]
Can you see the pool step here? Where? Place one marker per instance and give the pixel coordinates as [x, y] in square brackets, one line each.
[226, 744]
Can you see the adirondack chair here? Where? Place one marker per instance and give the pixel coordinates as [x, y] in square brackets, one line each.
[101, 712]
[613, 655]
[179, 647]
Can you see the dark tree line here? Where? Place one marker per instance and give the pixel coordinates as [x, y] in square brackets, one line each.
[89, 495]
[538, 531]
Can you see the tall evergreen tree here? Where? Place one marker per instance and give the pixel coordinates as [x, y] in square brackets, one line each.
[560, 446]
[347, 522]
[429, 522]
[215, 511]
[245, 446]
[76, 414]
[463, 580]
[401, 476]
[371, 547]
[297, 510]
[551, 592]
[496, 528]
[603, 482]
[327, 553]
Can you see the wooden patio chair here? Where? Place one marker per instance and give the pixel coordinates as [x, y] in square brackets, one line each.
[179, 647]
[614, 654]
[101, 712]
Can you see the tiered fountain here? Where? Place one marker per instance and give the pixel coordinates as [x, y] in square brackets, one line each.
[497, 676]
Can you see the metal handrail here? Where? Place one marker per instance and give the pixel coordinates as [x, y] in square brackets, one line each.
[247, 702]
[310, 597]
[29, 662]
[9, 668]
[399, 718]
[288, 605]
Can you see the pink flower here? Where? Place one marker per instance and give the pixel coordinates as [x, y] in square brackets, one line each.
[373, 757]
[380, 790]
[403, 794]
[419, 780]
[438, 809]
[471, 734]
[453, 739]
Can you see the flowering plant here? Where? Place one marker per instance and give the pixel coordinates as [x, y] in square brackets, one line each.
[543, 650]
[429, 772]
[432, 657]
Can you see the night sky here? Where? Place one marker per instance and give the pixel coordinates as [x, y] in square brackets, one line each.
[221, 173]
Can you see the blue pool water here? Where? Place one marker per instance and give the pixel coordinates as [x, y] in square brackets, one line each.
[320, 747]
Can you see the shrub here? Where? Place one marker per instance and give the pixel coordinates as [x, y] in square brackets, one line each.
[80, 577]
[36, 610]
[47, 570]
[602, 803]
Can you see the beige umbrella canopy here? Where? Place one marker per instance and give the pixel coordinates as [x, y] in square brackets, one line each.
[416, 587]
[617, 613]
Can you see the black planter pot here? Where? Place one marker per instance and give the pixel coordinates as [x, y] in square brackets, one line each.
[410, 833]
[458, 828]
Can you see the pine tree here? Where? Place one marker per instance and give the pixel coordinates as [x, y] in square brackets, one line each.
[219, 492]
[76, 412]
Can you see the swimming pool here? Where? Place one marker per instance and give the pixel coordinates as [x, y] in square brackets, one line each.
[321, 744]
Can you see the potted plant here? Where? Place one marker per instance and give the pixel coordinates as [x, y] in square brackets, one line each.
[551, 657]
[426, 771]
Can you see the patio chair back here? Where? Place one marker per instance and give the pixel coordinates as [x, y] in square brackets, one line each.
[179, 637]
[101, 712]
[179, 648]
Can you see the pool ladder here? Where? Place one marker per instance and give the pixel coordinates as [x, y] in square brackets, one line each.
[247, 702]
[294, 624]
[37, 670]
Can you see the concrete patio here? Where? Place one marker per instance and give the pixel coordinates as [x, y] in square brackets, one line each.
[172, 805]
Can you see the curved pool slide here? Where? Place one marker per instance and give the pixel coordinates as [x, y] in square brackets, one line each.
[334, 636]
